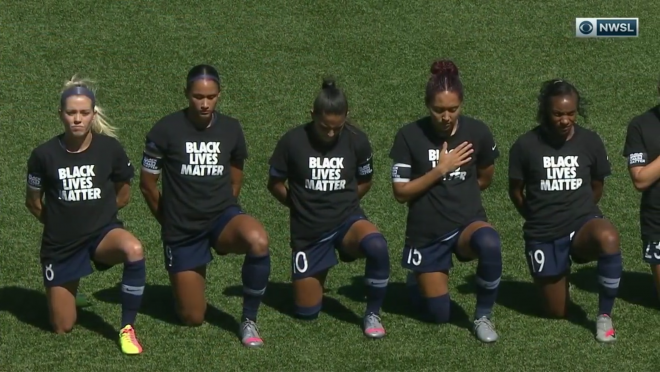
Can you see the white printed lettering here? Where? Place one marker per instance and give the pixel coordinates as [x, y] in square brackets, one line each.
[561, 173]
[325, 174]
[78, 183]
[203, 160]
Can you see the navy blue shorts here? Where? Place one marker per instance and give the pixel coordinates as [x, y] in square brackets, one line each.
[196, 251]
[321, 256]
[78, 265]
[554, 257]
[435, 256]
[651, 251]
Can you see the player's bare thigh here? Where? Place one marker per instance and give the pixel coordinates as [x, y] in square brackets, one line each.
[355, 234]
[243, 234]
[597, 236]
[308, 292]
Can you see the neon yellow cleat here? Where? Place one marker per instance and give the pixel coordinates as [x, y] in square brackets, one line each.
[128, 341]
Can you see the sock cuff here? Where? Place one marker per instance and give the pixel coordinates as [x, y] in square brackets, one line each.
[310, 312]
[254, 258]
[138, 263]
[610, 255]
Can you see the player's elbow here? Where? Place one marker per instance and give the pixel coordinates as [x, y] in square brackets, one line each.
[401, 192]
[640, 185]
[123, 200]
[401, 197]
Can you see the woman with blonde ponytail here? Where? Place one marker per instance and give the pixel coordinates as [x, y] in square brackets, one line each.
[76, 183]
[100, 123]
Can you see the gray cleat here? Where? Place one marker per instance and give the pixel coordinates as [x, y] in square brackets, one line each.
[250, 334]
[484, 330]
[605, 329]
[373, 327]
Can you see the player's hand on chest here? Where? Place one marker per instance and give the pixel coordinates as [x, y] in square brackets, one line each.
[428, 157]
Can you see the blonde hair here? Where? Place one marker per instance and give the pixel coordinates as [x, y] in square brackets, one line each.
[100, 123]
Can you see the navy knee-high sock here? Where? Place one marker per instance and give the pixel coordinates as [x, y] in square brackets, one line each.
[376, 271]
[439, 308]
[609, 268]
[133, 280]
[488, 246]
[255, 274]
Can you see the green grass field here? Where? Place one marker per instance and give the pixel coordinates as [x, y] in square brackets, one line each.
[272, 57]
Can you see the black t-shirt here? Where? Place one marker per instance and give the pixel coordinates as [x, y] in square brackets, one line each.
[453, 201]
[79, 191]
[323, 179]
[196, 171]
[641, 148]
[558, 193]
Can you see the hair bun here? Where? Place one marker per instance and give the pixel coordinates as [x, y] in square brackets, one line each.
[444, 67]
[328, 83]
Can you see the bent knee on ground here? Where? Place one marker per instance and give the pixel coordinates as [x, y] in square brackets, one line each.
[192, 318]
[62, 326]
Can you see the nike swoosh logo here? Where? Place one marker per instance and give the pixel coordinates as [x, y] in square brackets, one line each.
[494, 147]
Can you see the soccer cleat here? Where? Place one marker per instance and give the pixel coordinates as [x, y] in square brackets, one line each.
[373, 327]
[605, 329]
[250, 334]
[484, 330]
[128, 342]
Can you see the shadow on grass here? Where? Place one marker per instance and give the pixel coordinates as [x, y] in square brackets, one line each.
[524, 298]
[158, 303]
[397, 301]
[30, 307]
[635, 287]
[279, 296]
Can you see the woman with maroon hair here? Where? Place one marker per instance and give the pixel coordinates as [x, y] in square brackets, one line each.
[441, 163]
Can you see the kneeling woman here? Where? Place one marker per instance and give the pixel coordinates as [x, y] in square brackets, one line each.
[328, 165]
[556, 176]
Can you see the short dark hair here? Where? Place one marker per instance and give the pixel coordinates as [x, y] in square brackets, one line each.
[555, 88]
[200, 72]
[444, 78]
[331, 99]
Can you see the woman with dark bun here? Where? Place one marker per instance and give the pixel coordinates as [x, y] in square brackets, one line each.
[319, 171]
[441, 164]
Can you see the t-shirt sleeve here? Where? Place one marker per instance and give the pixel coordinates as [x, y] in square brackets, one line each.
[516, 161]
[365, 165]
[634, 148]
[240, 152]
[122, 169]
[601, 167]
[488, 151]
[401, 158]
[155, 150]
[35, 172]
[279, 160]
